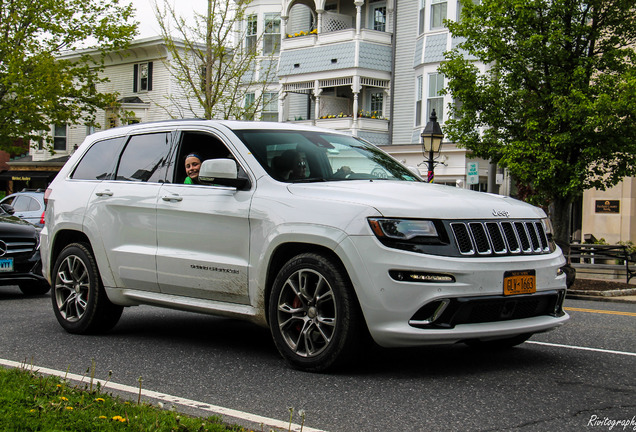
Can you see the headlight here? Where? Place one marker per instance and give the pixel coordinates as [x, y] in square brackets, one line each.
[402, 229]
[549, 233]
[547, 226]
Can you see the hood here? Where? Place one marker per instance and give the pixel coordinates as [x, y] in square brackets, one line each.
[13, 226]
[418, 200]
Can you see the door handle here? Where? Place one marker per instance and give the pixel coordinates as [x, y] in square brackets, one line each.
[172, 198]
[106, 192]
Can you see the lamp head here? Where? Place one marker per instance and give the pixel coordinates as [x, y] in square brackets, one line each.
[432, 135]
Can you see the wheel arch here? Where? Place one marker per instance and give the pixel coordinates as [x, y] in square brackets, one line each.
[64, 238]
[287, 251]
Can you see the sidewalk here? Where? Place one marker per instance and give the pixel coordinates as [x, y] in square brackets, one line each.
[607, 293]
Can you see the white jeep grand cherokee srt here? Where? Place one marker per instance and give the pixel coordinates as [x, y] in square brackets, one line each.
[316, 234]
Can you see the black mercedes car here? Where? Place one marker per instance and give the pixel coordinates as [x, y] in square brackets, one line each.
[20, 262]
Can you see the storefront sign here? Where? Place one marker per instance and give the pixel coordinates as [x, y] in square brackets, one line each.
[20, 178]
[608, 206]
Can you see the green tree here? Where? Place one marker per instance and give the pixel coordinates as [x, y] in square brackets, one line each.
[36, 88]
[215, 60]
[556, 101]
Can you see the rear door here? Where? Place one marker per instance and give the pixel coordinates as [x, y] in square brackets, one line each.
[123, 210]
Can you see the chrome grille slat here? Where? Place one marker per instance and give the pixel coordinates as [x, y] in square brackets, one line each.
[18, 247]
[482, 238]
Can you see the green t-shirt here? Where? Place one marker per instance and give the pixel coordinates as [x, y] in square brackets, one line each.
[188, 180]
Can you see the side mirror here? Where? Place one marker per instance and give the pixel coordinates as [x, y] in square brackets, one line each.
[223, 172]
[7, 208]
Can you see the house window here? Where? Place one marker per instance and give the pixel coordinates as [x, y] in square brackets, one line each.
[418, 100]
[435, 100]
[142, 77]
[59, 137]
[378, 17]
[270, 107]
[377, 99]
[438, 13]
[422, 15]
[271, 38]
[250, 98]
[252, 29]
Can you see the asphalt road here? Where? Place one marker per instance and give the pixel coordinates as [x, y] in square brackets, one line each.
[579, 377]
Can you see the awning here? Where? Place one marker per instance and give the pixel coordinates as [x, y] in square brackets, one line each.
[17, 175]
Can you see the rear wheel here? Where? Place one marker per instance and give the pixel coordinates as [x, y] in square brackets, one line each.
[314, 316]
[34, 288]
[79, 299]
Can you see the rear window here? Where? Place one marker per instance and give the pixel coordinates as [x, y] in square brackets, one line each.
[99, 161]
[145, 158]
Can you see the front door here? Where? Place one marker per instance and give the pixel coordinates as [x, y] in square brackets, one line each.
[203, 234]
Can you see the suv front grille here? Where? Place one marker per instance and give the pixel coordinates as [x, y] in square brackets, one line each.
[477, 238]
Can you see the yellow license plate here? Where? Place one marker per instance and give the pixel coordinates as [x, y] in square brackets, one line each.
[520, 282]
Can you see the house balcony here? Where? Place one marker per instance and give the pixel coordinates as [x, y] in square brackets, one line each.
[308, 40]
[347, 124]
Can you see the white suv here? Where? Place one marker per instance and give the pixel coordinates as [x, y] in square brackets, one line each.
[349, 244]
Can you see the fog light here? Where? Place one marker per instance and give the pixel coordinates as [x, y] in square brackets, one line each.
[410, 276]
[429, 313]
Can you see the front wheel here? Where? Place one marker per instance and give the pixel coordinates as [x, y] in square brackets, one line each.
[79, 299]
[314, 316]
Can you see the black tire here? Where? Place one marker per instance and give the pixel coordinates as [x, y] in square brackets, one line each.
[79, 299]
[499, 343]
[314, 316]
[34, 288]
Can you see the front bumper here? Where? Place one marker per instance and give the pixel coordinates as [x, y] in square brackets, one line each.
[468, 304]
[25, 270]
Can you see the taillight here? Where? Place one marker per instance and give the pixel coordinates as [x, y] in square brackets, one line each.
[42, 218]
[47, 192]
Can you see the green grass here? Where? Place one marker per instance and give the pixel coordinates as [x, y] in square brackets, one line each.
[32, 402]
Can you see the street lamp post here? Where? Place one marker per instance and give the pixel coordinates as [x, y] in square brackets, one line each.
[432, 143]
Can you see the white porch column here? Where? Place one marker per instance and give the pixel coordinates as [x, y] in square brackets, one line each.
[281, 106]
[358, 4]
[355, 87]
[319, 12]
[316, 93]
[283, 26]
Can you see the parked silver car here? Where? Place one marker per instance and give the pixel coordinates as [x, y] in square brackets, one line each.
[27, 205]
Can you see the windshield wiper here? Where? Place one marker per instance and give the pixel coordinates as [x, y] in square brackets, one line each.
[309, 180]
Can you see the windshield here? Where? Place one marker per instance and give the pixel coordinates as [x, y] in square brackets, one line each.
[303, 156]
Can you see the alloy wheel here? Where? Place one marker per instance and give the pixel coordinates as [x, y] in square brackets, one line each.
[72, 286]
[307, 313]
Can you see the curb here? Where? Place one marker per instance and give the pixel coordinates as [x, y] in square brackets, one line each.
[609, 293]
[598, 296]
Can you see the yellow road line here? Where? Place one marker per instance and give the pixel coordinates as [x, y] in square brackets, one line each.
[600, 311]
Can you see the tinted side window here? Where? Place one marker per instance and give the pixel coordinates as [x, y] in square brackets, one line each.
[145, 158]
[99, 161]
